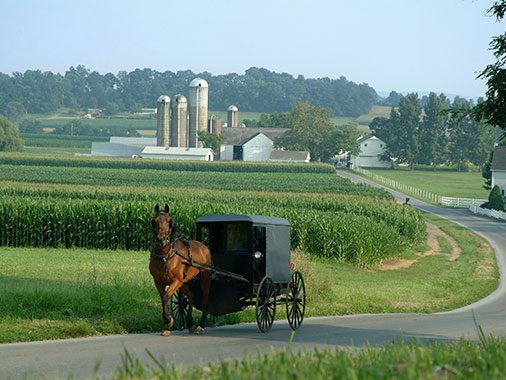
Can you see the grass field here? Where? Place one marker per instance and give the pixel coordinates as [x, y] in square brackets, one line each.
[39, 288]
[444, 183]
[406, 360]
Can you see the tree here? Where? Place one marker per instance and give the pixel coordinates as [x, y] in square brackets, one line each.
[487, 173]
[30, 126]
[15, 110]
[493, 109]
[210, 140]
[495, 199]
[407, 130]
[10, 141]
[433, 138]
[311, 129]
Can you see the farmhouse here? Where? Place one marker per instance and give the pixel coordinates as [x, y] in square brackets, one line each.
[371, 149]
[498, 168]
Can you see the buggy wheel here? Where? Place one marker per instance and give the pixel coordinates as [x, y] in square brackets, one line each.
[295, 300]
[265, 304]
[179, 310]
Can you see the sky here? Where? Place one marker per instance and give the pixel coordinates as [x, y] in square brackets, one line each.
[401, 45]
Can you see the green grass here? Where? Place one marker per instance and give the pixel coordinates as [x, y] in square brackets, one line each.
[57, 293]
[133, 123]
[444, 183]
[407, 360]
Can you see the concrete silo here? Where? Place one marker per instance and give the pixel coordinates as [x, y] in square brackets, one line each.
[215, 126]
[179, 123]
[197, 110]
[163, 121]
[232, 116]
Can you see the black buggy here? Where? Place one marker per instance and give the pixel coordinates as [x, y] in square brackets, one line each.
[251, 267]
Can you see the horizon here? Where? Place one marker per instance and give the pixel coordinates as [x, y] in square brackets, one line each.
[392, 45]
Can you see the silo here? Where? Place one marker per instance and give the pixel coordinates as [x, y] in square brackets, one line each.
[232, 116]
[197, 110]
[215, 125]
[163, 121]
[179, 124]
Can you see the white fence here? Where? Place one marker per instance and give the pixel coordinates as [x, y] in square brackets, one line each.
[419, 193]
[484, 211]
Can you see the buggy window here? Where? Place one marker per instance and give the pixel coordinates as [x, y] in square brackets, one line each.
[238, 237]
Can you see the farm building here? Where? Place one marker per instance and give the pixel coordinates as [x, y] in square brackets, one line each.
[174, 153]
[289, 156]
[121, 146]
[498, 168]
[371, 149]
[248, 144]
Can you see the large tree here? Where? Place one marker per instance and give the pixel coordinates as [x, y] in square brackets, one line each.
[433, 137]
[10, 141]
[493, 109]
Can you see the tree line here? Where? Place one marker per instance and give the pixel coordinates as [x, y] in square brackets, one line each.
[258, 90]
[433, 134]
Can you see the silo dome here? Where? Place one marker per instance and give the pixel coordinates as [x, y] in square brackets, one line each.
[164, 99]
[232, 108]
[180, 99]
[198, 82]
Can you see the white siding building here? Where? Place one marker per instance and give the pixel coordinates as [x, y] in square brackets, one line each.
[257, 147]
[498, 168]
[121, 146]
[173, 153]
[371, 149]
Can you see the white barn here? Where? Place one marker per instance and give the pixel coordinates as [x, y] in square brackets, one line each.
[498, 168]
[257, 147]
[174, 153]
[371, 149]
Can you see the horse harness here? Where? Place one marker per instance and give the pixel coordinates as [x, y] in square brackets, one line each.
[187, 260]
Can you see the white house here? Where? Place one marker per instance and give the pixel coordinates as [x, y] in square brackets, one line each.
[371, 149]
[498, 168]
[289, 156]
[173, 153]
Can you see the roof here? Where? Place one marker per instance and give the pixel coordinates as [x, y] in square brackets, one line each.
[368, 137]
[198, 82]
[164, 99]
[255, 219]
[499, 159]
[137, 141]
[180, 99]
[176, 151]
[289, 155]
[238, 136]
[233, 108]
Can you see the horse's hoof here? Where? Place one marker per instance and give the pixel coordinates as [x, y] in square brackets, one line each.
[168, 325]
[198, 330]
[165, 333]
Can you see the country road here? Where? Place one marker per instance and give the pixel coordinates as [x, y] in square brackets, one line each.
[79, 356]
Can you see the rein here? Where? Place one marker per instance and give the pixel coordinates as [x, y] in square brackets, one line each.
[174, 251]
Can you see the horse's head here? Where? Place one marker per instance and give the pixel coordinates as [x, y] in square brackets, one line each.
[163, 226]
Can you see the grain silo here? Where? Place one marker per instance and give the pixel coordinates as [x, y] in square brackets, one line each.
[215, 126]
[163, 121]
[232, 116]
[179, 122]
[197, 110]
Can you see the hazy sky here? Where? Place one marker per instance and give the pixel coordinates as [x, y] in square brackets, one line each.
[404, 45]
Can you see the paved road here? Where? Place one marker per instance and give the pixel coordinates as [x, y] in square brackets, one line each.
[79, 356]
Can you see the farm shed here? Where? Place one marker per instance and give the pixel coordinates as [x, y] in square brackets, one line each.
[371, 149]
[245, 143]
[173, 153]
[121, 146]
[498, 168]
[289, 156]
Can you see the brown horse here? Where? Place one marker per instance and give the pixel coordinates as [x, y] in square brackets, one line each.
[172, 265]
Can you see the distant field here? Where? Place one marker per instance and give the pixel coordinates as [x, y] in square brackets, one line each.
[104, 123]
[376, 111]
[450, 184]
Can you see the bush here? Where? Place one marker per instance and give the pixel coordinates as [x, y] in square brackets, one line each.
[495, 199]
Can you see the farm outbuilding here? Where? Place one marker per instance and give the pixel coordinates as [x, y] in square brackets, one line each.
[289, 156]
[121, 146]
[173, 153]
[257, 147]
[498, 168]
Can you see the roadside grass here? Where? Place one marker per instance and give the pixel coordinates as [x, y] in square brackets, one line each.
[63, 293]
[406, 360]
[444, 183]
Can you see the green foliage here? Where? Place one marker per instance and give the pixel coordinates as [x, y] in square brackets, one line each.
[210, 140]
[495, 199]
[257, 90]
[15, 110]
[79, 128]
[30, 125]
[59, 141]
[274, 120]
[493, 109]
[10, 141]
[487, 173]
[311, 129]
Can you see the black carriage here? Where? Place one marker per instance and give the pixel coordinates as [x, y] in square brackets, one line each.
[251, 267]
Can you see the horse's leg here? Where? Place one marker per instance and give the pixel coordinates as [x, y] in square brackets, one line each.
[167, 322]
[205, 284]
[187, 292]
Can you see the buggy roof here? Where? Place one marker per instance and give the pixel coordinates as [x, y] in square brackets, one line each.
[255, 219]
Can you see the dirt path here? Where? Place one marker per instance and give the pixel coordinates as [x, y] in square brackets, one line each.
[434, 233]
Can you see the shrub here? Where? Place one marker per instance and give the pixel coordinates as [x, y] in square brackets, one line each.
[495, 199]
